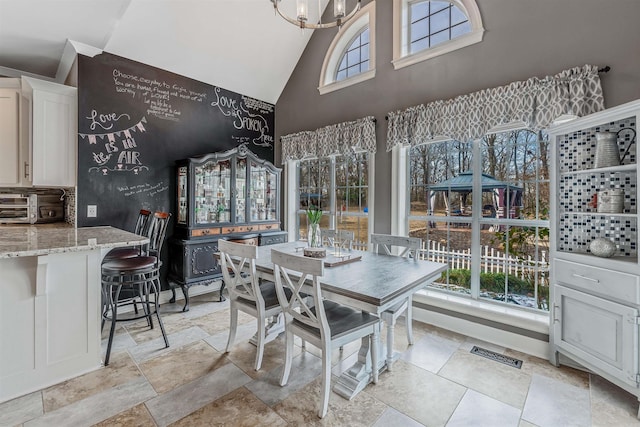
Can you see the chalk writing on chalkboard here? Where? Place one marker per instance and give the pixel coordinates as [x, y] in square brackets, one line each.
[145, 188]
[117, 150]
[158, 96]
[244, 118]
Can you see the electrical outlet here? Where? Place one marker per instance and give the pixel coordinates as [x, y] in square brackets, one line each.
[92, 211]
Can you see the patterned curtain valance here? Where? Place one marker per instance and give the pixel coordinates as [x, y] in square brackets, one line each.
[341, 138]
[536, 102]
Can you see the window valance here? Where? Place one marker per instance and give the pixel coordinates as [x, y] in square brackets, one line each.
[535, 102]
[341, 138]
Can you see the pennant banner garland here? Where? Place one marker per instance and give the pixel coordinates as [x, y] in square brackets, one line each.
[138, 127]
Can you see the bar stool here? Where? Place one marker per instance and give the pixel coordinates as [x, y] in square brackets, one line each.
[141, 228]
[139, 275]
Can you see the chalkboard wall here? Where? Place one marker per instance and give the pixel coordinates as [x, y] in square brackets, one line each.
[135, 121]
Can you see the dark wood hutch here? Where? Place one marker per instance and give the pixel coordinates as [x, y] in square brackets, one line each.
[231, 195]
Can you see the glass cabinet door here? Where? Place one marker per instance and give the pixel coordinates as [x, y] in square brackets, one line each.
[271, 196]
[263, 196]
[258, 192]
[240, 191]
[182, 195]
[212, 192]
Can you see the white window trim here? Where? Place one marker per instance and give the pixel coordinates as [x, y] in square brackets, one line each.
[366, 16]
[401, 56]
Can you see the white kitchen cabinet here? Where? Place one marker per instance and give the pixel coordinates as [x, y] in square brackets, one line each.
[596, 299]
[10, 161]
[53, 137]
[16, 158]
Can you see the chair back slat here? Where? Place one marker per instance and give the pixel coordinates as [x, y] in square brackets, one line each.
[293, 272]
[157, 231]
[334, 238]
[406, 247]
[143, 222]
[238, 262]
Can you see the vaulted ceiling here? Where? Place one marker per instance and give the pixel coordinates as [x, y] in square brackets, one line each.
[239, 45]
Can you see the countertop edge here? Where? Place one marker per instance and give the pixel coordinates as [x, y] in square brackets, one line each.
[30, 241]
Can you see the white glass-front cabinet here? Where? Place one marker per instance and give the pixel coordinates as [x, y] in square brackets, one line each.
[595, 272]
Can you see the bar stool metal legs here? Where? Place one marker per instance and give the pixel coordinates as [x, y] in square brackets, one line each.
[140, 276]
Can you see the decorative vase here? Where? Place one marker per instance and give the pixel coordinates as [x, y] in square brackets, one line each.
[313, 236]
[602, 247]
[607, 151]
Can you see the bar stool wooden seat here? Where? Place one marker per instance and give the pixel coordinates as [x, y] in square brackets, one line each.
[133, 281]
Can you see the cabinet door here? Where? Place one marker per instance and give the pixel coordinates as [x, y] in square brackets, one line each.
[10, 161]
[54, 138]
[602, 333]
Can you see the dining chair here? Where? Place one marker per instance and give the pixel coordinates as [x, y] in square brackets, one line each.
[332, 237]
[407, 247]
[246, 292]
[325, 324]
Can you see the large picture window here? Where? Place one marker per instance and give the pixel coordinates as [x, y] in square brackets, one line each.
[339, 186]
[496, 188]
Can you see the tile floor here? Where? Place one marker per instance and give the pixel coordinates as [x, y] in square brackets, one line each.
[437, 382]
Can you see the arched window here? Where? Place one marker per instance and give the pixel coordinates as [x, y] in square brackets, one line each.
[424, 29]
[355, 59]
[350, 58]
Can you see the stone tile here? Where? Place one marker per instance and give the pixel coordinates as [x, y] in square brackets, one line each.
[243, 333]
[392, 418]
[141, 333]
[243, 355]
[535, 365]
[218, 321]
[121, 341]
[419, 394]
[238, 408]
[181, 366]
[138, 416]
[182, 401]
[301, 408]
[304, 369]
[478, 410]
[554, 403]
[431, 352]
[121, 370]
[97, 407]
[611, 405]
[156, 347]
[204, 304]
[21, 409]
[495, 379]
[469, 342]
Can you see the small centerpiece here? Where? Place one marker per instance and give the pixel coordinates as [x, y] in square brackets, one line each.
[314, 238]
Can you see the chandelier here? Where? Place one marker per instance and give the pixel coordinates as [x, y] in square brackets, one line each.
[302, 14]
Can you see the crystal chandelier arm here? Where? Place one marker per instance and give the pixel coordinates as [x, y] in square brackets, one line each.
[303, 24]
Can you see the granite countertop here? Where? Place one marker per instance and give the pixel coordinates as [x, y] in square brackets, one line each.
[34, 240]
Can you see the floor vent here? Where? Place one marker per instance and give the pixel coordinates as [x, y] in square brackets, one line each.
[496, 356]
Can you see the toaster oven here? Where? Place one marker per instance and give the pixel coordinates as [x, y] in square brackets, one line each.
[31, 208]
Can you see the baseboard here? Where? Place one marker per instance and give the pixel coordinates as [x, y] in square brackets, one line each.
[502, 334]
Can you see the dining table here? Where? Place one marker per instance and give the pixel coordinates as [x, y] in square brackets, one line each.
[366, 281]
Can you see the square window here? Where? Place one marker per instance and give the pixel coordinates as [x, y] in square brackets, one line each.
[441, 37]
[439, 21]
[353, 57]
[419, 30]
[419, 45]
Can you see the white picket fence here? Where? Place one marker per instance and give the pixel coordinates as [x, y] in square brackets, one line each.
[491, 260]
